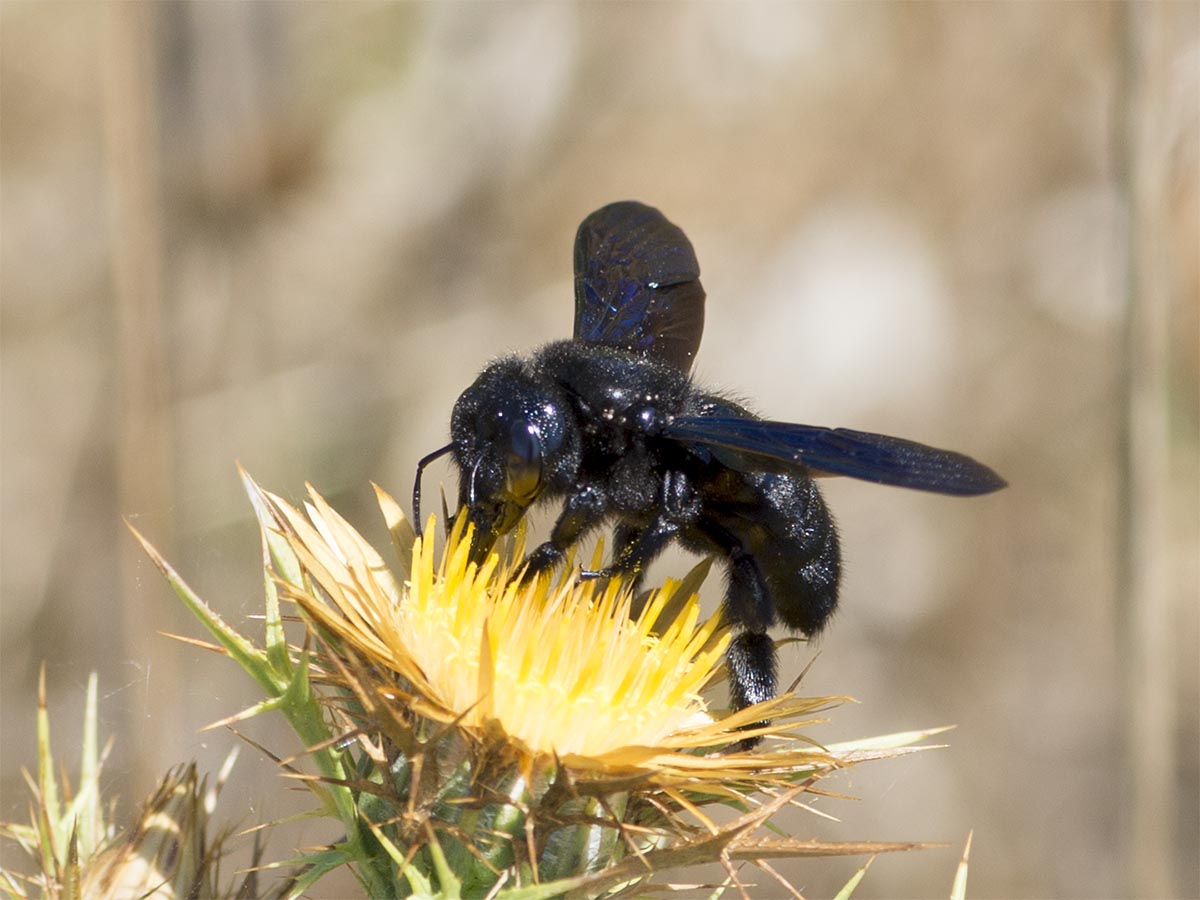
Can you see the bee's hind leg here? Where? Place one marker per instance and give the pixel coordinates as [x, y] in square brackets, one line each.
[749, 608]
[751, 655]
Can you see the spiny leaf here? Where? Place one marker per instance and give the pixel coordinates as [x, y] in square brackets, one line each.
[959, 889]
[249, 657]
[315, 867]
[277, 556]
[398, 526]
[889, 741]
[849, 886]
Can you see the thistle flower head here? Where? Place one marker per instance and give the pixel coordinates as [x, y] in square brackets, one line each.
[476, 733]
[561, 667]
[169, 851]
[556, 665]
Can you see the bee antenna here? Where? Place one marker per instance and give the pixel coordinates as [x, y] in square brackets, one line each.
[425, 460]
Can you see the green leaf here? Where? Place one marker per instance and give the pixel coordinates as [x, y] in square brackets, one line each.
[543, 891]
[49, 810]
[849, 886]
[249, 657]
[86, 805]
[959, 890]
[316, 866]
[451, 887]
[278, 556]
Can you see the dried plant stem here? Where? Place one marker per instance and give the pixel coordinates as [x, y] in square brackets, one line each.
[1146, 611]
[143, 445]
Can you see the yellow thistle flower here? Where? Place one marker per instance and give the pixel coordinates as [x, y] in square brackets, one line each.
[561, 668]
[558, 665]
[477, 736]
[565, 671]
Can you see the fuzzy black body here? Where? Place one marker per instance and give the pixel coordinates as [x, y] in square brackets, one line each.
[613, 463]
[611, 425]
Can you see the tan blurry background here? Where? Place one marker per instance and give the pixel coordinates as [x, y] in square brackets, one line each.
[289, 234]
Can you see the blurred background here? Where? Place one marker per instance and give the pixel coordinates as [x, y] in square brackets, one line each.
[289, 235]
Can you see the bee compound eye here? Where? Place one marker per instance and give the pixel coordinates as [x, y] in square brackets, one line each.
[524, 465]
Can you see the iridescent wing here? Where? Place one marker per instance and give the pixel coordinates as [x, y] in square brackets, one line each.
[754, 445]
[637, 284]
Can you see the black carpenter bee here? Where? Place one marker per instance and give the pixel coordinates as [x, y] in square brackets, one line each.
[611, 424]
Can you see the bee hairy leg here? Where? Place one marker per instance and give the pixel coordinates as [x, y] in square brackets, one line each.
[636, 549]
[624, 536]
[582, 511]
[543, 558]
[752, 669]
[751, 655]
[752, 674]
[749, 608]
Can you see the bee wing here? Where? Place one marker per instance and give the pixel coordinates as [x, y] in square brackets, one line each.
[754, 445]
[637, 284]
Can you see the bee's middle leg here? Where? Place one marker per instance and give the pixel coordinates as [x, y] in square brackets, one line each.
[635, 549]
[636, 546]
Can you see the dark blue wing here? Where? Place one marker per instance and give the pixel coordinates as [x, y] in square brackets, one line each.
[753, 445]
[637, 284]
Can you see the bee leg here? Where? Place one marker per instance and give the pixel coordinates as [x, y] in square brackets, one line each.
[752, 673]
[636, 549]
[624, 536]
[752, 669]
[582, 511]
[749, 607]
[625, 539]
[541, 559]
[751, 654]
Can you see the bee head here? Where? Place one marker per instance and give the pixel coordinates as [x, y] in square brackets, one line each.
[513, 441]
